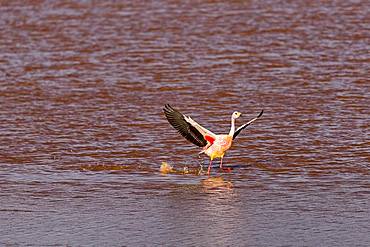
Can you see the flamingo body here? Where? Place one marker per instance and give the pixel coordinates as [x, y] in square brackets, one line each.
[219, 147]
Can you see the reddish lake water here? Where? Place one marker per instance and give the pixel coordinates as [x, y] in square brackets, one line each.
[82, 132]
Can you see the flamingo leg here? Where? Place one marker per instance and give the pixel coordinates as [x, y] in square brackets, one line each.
[224, 169]
[209, 167]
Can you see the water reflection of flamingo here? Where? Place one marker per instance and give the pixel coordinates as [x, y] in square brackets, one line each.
[213, 145]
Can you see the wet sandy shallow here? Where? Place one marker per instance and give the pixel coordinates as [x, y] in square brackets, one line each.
[83, 134]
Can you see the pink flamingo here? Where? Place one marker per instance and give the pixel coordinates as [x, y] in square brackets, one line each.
[215, 146]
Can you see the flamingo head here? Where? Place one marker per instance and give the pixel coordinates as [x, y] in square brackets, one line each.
[236, 114]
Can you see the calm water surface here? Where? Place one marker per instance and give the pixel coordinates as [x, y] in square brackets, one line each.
[82, 133]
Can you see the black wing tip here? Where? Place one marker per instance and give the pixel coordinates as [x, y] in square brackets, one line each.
[260, 114]
[167, 108]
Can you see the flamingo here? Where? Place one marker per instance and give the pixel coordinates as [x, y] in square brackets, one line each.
[215, 146]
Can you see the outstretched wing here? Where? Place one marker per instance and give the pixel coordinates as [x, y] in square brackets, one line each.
[245, 125]
[188, 128]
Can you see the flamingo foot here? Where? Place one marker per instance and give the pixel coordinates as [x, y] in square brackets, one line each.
[226, 169]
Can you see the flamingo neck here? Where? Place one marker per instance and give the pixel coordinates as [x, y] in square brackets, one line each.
[232, 129]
